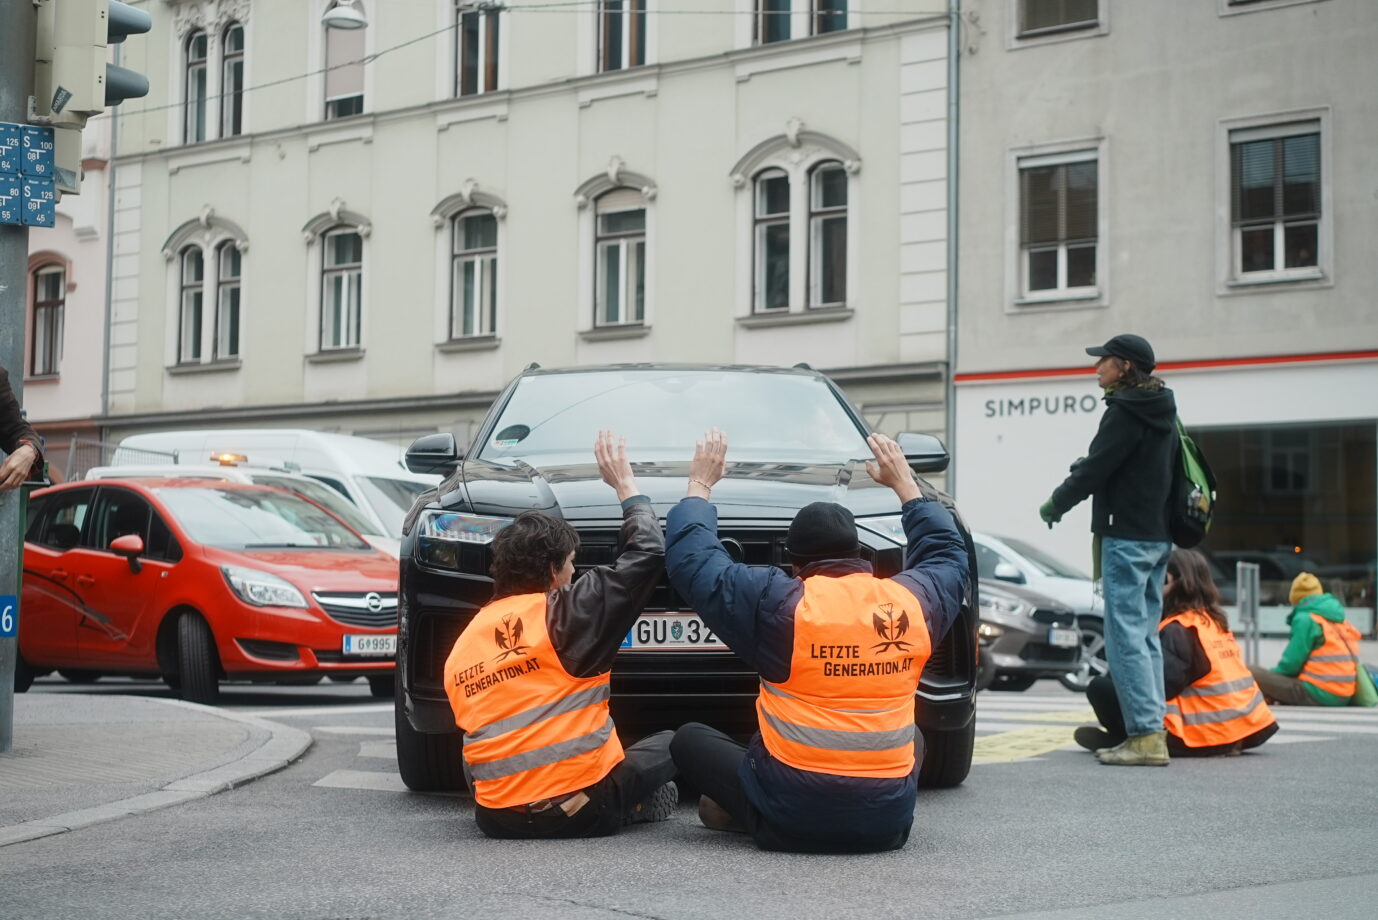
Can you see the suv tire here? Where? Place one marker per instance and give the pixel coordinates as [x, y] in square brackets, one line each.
[947, 756]
[428, 763]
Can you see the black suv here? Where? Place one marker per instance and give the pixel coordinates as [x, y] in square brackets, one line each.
[794, 439]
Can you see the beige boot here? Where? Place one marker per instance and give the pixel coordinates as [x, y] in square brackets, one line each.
[1148, 750]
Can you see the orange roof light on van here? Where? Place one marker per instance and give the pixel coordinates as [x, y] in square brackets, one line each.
[226, 459]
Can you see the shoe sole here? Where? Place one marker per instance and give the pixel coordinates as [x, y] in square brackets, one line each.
[659, 806]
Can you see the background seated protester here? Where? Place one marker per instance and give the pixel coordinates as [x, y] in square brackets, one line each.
[834, 766]
[1319, 666]
[528, 679]
[1214, 706]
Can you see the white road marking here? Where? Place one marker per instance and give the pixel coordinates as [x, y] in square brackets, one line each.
[362, 779]
[385, 750]
[353, 730]
[319, 710]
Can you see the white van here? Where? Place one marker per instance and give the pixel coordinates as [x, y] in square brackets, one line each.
[369, 473]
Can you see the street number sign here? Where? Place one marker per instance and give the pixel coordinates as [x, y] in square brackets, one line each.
[9, 615]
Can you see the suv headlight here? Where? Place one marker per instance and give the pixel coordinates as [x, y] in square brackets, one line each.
[262, 589]
[890, 526]
[440, 534]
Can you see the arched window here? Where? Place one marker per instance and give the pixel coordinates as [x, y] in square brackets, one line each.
[828, 235]
[620, 258]
[49, 300]
[228, 274]
[194, 122]
[474, 274]
[342, 288]
[193, 301]
[772, 244]
[344, 76]
[232, 81]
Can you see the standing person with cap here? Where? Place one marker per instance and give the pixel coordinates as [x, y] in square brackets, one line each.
[17, 439]
[834, 767]
[1127, 473]
[1320, 666]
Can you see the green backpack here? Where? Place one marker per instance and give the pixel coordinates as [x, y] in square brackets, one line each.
[1191, 502]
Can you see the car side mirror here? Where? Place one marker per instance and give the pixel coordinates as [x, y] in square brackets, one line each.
[1006, 571]
[434, 453]
[131, 547]
[923, 452]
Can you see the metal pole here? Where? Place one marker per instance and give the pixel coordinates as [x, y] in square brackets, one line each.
[17, 23]
[954, 49]
[1246, 592]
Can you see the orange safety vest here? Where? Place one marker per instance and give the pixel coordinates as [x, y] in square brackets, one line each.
[1223, 707]
[1332, 666]
[532, 731]
[860, 644]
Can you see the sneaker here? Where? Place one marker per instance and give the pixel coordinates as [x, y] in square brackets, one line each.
[658, 806]
[717, 818]
[1148, 750]
[1093, 739]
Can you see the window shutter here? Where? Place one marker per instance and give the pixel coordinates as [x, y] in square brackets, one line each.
[1039, 196]
[343, 46]
[1301, 175]
[1079, 203]
[622, 198]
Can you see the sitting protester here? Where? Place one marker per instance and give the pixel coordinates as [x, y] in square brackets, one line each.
[528, 679]
[1213, 704]
[1320, 664]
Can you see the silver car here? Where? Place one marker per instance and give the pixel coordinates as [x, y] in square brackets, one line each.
[1023, 636]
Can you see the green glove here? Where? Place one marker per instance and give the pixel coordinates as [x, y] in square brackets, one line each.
[1048, 511]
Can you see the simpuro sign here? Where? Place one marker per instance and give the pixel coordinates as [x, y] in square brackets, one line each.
[1054, 404]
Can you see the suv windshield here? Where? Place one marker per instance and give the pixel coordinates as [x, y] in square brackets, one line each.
[255, 519]
[663, 412]
[1042, 561]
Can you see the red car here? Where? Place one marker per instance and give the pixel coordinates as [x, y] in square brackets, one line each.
[200, 582]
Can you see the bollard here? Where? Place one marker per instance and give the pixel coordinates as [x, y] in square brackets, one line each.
[1246, 589]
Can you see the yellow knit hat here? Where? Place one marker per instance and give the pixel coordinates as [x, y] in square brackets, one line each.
[1304, 585]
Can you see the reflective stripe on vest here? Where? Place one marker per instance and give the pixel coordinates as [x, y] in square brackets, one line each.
[1225, 705]
[532, 731]
[860, 644]
[1331, 667]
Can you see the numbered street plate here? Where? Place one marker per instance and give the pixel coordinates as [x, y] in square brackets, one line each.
[1063, 638]
[671, 632]
[380, 646]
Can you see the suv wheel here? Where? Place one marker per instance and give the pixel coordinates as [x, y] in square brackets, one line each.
[1093, 663]
[947, 756]
[428, 763]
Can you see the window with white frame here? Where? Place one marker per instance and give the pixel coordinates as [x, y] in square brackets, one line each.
[344, 75]
[621, 34]
[342, 288]
[771, 242]
[1043, 17]
[1059, 223]
[192, 305]
[620, 258]
[474, 274]
[229, 267]
[1275, 187]
[828, 235]
[49, 298]
[196, 52]
[782, 20]
[477, 52]
[232, 81]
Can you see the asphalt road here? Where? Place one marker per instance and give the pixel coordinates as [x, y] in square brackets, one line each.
[1034, 833]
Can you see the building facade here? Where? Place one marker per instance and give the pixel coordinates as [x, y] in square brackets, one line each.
[1204, 179]
[372, 230]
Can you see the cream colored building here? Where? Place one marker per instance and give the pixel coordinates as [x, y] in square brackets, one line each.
[377, 248]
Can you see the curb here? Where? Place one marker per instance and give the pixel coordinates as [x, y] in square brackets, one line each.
[284, 745]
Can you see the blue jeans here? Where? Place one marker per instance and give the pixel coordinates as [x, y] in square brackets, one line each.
[1133, 584]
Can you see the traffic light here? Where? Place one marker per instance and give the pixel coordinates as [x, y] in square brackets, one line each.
[72, 80]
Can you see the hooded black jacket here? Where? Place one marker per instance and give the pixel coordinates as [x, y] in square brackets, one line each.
[1128, 469]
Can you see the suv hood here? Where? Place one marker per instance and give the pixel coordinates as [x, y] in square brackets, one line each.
[575, 490]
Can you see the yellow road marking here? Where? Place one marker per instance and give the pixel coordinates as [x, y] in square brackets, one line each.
[1006, 747]
[1081, 715]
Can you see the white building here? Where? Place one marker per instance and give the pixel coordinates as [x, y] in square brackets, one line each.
[379, 247]
[1200, 173]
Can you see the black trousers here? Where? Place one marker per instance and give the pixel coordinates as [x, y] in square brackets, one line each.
[1106, 703]
[645, 767]
[711, 761]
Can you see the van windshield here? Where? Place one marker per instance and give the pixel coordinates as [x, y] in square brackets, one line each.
[391, 499]
[322, 495]
[248, 518]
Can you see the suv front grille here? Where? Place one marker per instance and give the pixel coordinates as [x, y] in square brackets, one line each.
[1054, 617]
[369, 609]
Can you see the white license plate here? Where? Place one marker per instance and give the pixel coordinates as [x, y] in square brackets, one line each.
[1063, 638]
[676, 632]
[370, 645]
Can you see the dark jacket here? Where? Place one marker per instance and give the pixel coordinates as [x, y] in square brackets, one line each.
[1184, 658]
[1128, 469]
[588, 619]
[752, 610]
[13, 429]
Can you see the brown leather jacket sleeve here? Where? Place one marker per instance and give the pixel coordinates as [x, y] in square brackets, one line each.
[13, 429]
[589, 619]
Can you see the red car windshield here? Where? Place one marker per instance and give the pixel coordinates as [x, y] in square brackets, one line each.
[255, 519]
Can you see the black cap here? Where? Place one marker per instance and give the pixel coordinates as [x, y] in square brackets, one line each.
[1132, 348]
[822, 530]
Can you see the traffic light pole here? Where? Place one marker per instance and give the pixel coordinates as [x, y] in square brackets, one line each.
[16, 83]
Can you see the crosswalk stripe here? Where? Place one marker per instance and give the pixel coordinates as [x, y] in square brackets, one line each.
[318, 710]
[362, 779]
[354, 730]
[384, 750]
[1020, 744]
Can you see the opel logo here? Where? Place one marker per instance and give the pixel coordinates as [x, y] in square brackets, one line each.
[373, 601]
[734, 549]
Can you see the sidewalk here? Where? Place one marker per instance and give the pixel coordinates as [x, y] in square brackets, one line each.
[84, 759]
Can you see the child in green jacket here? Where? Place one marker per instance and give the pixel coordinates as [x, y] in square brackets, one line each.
[1292, 681]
